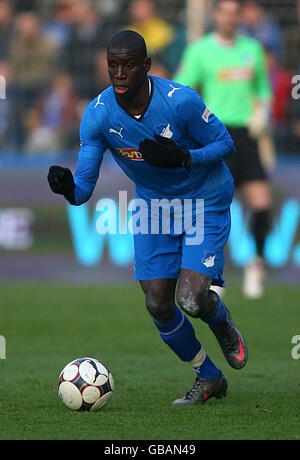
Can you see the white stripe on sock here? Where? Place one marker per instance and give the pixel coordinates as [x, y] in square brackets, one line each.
[176, 328]
[199, 359]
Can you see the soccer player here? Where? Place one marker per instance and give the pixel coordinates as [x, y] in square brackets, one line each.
[230, 71]
[168, 142]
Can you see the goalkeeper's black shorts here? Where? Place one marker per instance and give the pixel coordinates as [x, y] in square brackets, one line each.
[245, 165]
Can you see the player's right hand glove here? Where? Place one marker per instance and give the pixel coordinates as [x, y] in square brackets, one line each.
[164, 153]
[61, 181]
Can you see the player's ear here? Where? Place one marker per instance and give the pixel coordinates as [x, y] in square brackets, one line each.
[147, 64]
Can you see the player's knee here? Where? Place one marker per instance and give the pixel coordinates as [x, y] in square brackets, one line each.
[197, 304]
[190, 301]
[161, 310]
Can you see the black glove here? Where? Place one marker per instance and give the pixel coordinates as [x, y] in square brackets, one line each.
[61, 181]
[164, 153]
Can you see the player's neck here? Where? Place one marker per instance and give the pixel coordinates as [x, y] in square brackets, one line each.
[225, 39]
[136, 105]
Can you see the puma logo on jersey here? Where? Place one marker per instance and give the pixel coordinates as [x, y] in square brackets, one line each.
[170, 94]
[111, 130]
[98, 101]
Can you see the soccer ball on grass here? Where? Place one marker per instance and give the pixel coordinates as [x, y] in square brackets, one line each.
[85, 384]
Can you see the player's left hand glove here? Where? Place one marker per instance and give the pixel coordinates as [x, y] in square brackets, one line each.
[164, 153]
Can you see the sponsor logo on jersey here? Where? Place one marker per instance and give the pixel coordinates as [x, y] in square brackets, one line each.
[206, 114]
[236, 74]
[131, 154]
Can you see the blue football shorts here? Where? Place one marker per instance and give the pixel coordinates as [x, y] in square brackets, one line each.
[162, 253]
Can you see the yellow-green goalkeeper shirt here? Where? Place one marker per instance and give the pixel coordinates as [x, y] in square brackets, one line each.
[231, 78]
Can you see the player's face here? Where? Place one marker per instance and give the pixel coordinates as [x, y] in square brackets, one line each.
[227, 17]
[127, 71]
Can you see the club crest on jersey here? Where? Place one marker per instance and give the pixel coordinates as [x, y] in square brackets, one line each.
[208, 260]
[131, 154]
[164, 130]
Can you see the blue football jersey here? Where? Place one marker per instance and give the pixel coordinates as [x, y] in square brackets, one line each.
[174, 111]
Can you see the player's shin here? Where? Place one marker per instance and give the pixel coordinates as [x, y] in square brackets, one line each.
[179, 335]
[218, 313]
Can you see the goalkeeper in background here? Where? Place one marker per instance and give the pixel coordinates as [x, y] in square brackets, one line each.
[230, 70]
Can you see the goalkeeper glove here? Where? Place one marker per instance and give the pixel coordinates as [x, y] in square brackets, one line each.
[61, 181]
[164, 153]
[260, 121]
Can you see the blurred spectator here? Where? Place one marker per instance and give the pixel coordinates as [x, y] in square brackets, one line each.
[6, 27]
[295, 128]
[109, 7]
[5, 107]
[165, 42]
[174, 11]
[295, 115]
[25, 5]
[295, 103]
[31, 53]
[145, 20]
[102, 80]
[58, 25]
[31, 57]
[88, 35]
[280, 79]
[257, 24]
[292, 39]
[173, 53]
[53, 123]
[158, 69]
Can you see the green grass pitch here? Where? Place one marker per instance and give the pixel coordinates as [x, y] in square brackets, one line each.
[46, 326]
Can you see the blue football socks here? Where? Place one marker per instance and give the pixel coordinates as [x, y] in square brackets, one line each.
[218, 316]
[207, 370]
[179, 335]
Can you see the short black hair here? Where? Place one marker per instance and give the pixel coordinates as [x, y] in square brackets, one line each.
[128, 40]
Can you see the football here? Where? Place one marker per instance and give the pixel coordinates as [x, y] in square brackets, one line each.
[85, 384]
